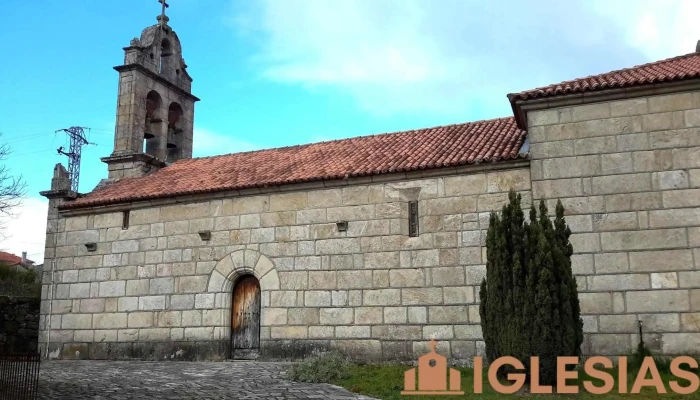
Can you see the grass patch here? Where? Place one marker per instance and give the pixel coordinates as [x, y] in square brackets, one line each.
[386, 382]
[328, 367]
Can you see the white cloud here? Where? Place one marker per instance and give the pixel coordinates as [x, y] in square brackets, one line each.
[455, 56]
[26, 230]
[659, 29]
[371, 49]
[208, 143]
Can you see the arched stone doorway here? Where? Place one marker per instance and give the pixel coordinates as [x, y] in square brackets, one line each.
[222, 281]
[245, 318]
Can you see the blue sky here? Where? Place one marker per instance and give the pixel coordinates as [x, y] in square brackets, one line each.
[281, 72]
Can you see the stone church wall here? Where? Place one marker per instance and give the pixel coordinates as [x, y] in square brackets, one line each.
[157, 290]
[629, 173]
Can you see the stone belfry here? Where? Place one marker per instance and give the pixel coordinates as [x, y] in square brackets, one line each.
[155, 106]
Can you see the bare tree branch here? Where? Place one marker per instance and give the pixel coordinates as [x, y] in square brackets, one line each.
[12, 188]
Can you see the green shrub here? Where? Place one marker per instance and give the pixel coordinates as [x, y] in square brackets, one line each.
[328, 367]
[15, 282]
[663, 364]
[529, 300]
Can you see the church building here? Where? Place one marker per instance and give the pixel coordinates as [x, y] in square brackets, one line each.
[372, 245]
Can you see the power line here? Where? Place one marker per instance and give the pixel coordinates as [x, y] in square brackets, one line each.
[36, 135]
[77, 141]
[27, 137]
[29, 153]
[10, 155]
[21, 241]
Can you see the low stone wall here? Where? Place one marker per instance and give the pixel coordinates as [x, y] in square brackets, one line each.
[147, 351]
[19, 324]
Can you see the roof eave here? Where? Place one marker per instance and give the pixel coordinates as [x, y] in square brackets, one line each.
[514, 161]
[520, 107]
[158, 78]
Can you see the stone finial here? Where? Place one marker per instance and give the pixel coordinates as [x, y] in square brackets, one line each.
[135, 42]
[60, 186]
[164, 18]
[162, 15]
[61, 178]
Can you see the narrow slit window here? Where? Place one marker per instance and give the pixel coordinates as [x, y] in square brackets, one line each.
[125, 220]
[413, 218]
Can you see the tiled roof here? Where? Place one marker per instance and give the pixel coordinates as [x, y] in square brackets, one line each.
[443, 146]
[11, 259]
[672, 69]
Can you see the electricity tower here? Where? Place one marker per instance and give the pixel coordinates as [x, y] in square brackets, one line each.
[77, 141]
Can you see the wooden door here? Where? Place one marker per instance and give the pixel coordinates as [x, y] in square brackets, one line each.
[245, 318]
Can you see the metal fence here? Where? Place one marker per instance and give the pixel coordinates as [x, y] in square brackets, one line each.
[19, 376]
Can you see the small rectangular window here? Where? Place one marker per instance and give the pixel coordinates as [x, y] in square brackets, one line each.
[413, 218]
[125, 219]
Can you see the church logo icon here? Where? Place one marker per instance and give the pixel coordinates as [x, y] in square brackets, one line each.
[432, 374]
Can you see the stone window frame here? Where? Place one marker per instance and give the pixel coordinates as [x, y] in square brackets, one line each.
[125, 219]
[413, 227]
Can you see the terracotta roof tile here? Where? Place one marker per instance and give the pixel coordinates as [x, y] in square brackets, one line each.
[671, 69]
[443, 146]
[11, 259]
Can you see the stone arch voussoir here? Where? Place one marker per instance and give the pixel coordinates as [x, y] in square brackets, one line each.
[239, 263]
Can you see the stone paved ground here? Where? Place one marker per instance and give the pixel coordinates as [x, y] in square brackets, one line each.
[117, 380]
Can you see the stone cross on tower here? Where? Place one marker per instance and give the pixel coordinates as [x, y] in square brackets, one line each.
[162, 11]
[155, 112]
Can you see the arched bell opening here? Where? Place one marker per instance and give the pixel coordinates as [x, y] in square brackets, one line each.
[174, 117]
[174, 143]
[245, 318]
[152, 123]
[166, 50]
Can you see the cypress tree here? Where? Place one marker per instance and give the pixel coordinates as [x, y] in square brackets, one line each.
[517, 258]
[547, 322]
[491, 315]
[529, 300]
[501, 299]
[574, 336]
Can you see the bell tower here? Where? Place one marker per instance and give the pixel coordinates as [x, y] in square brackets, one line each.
[155, 105]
